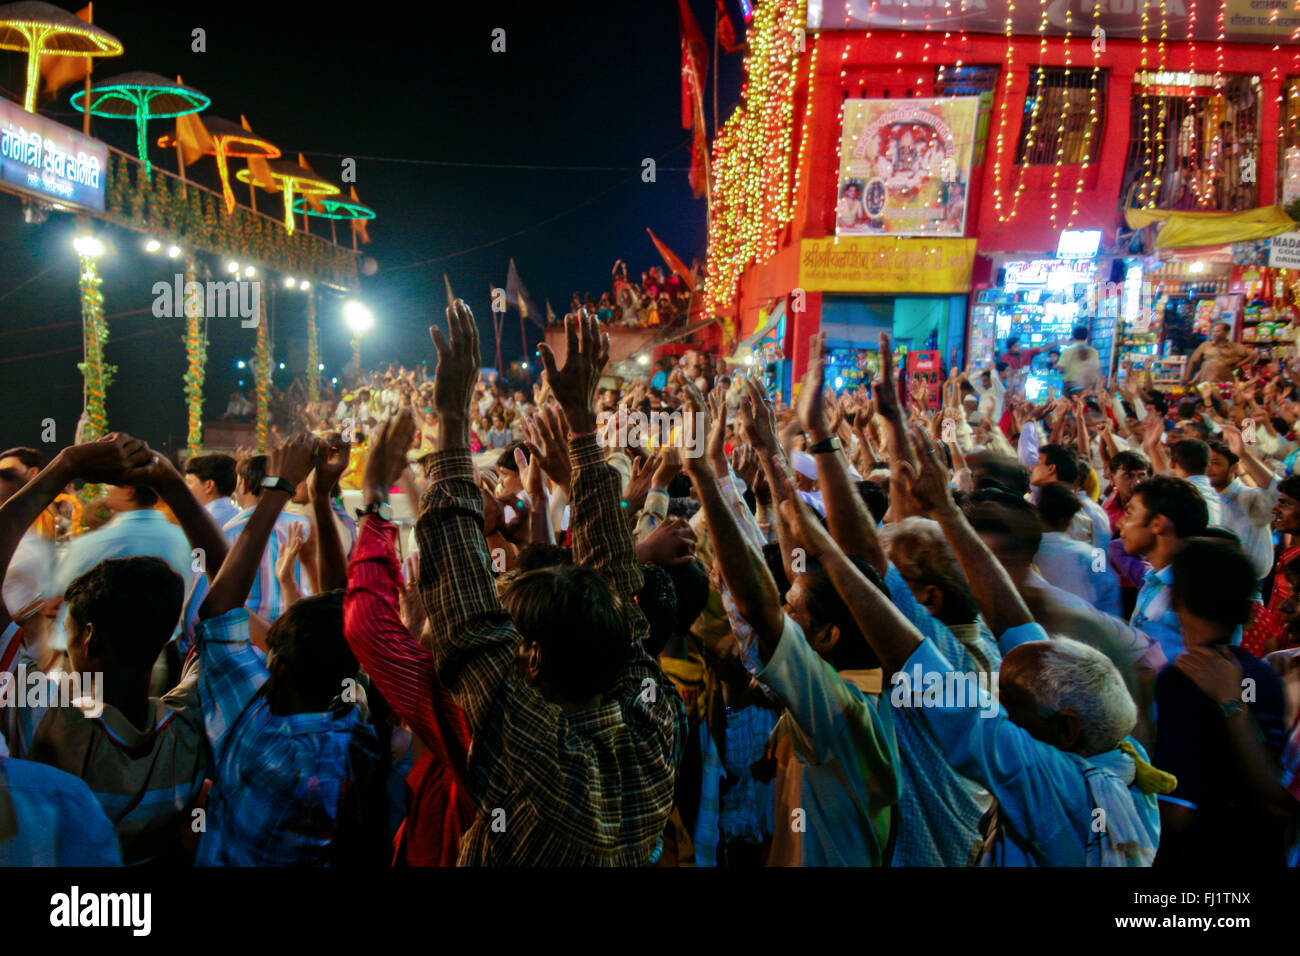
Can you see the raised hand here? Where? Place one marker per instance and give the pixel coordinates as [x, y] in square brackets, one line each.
[112, 459]
[695, 426]
[334, 457]
[670, 544]
[812, 397]
[290, 553]
[574, 385]
[638, 486]
[670, 466]
[548, 443]
[927, 481]
[758, 418]
[885, 388]
[388, 447]
[295, 458]
[456, 375]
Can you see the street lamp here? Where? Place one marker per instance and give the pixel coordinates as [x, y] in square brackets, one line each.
[360, 320]
[88, 246]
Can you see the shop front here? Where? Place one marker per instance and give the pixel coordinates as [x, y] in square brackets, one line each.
[916, 290]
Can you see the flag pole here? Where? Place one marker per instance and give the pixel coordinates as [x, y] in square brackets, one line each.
[90, 67]
[717, 22]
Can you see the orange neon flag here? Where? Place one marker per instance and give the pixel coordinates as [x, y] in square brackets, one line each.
[258, 167]
[673, 263]
[59, 71]
[311, 199]
[193, 136]
[359, 225]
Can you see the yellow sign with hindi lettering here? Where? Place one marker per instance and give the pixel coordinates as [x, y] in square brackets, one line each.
[885, 264]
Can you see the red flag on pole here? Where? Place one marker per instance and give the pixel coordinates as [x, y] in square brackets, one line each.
[695, 62]
[699, 154]
[673, 263]
[726, 29]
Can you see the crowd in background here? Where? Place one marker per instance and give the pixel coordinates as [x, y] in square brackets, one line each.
[879, 627]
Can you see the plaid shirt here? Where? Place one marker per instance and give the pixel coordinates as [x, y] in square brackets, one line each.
[280, 781]
[593, 788]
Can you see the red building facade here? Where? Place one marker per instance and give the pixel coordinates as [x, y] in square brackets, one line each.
[1041, 163]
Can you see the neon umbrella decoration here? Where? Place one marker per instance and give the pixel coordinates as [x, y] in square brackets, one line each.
[334, 208]
[141, 96]
[230, 141]
[290, 178]
[38, 28]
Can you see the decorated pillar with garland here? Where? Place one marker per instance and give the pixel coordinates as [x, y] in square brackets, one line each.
[95, 373]
[262, 370]
[196, 356]
[313, 350]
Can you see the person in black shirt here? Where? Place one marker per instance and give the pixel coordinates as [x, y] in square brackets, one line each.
[1219, 722]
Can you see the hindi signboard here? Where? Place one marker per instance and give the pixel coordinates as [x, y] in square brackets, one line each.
[905, 166]
[42, 158]
[1284, 251]
[877, 264]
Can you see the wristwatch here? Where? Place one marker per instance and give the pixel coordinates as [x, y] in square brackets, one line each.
[382, 509]
[277, 484]
[825, 445]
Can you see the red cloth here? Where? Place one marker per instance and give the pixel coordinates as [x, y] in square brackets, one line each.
[1269, 624]
[403, 670]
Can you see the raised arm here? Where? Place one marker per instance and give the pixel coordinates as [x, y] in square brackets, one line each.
[331, 462]
[475, 644]
[195, 520]
[846, 513]
[106, 460]
[890, 634]
[997, 597]
[292, 461]
[743, 569]
[602, 536]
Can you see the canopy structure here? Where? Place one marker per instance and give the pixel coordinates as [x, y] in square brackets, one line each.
[38, 28]
[291, 179]
[334, 208]
[229, 141]
[1183, 230]
[142, 97]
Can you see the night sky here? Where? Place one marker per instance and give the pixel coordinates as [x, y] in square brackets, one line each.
[469, 158]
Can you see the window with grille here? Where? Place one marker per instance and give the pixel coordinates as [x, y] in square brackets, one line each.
[1193, 143]
[1064, 114]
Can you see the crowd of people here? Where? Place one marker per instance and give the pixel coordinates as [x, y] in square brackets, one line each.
[657, 300]
[868, 629]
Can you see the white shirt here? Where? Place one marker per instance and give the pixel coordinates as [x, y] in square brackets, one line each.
[1248, 513]
[1100, 520]
[31, 573]
[1080, 569]
[1213, 504]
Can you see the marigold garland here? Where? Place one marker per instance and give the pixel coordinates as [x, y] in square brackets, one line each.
[262, 371]
[196, 355]
[313, 350]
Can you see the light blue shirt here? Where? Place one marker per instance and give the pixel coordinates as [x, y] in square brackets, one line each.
[132, 534]
[222, 510]
[264, 598]
[1080, 569]
[1154, 613]
[1045, 809]
[56, 820]
[846, 744]
[1100, 520]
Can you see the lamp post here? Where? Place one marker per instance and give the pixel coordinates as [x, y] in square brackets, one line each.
[360, 320]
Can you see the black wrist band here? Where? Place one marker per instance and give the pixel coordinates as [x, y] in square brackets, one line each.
[825, 445]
